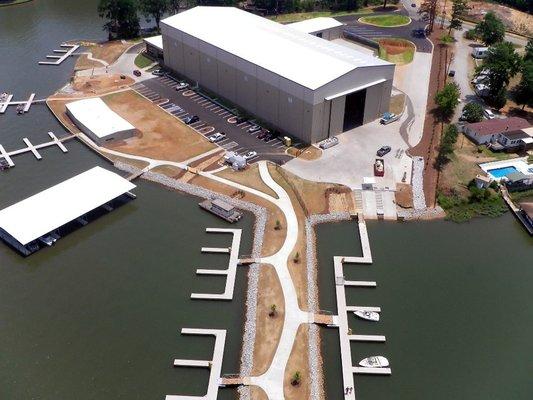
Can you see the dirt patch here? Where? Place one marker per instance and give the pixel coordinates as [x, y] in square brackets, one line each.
[268, 328]
[162, 136]
[256, 393]
[108, 52]
[404, 195]
[397, 103]
[398, 51]
[250, 177]
[310, 153]
[298, 362]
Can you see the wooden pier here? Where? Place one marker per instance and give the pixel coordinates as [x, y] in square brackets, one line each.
[215, 364]
[230, 273]
[64, 54]
[33, 148]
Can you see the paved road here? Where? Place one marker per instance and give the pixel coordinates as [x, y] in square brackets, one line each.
[353, 26]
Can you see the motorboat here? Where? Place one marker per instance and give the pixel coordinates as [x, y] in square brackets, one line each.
[368, 315]
[374, 362]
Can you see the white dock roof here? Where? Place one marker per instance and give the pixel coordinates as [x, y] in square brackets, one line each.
[315, 24]
[297, 56]
[96, 116]
[48, 210]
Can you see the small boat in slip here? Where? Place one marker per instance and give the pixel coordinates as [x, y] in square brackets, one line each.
[368, 315]
[374, 362]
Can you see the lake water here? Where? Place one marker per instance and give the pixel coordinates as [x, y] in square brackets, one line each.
[98, 315]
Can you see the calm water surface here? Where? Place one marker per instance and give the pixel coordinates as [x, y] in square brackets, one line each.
[456, 309]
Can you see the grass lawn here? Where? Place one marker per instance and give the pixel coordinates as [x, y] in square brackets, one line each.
[141, 61]
[387, 21]
[398, 51]
[295, 17]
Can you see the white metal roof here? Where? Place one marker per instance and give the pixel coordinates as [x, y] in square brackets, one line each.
[315, 24]
[156, 41]
[96, 116]
[45, 211]
[302, 58]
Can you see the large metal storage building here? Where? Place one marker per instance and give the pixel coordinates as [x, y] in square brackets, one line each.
[298, 83]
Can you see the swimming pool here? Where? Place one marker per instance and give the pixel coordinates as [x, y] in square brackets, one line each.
[498, 173]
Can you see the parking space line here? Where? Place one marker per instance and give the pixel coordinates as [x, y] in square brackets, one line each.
[196, 124]
[179, 114]
[167, 106]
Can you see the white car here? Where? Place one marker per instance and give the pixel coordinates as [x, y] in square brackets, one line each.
[488, 114]
[217, 137]
[254, 128]
[182, 85]
[250, 155]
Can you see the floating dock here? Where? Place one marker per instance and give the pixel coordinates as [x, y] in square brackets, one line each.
[26, 103]
[5, 104]
[66, 51]
[230, 273]
[372, 371]
[33, 148]
[215, 364]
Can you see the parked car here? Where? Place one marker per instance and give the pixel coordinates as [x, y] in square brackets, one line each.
[451, 73]
[136, 72]
[383, 150]
[217, 137]
[250, 155]
[388, 117]
[413, 5]
[240, 120]
[488, 114]
[254, 128]
[263, 134]
[270, 135]
[479, 79]
[480, 52]
[182, 85]
[192, 119]
[420, 33]
[158, 72]
[329, 142]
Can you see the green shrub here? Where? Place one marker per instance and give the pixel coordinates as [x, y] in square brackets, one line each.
[470, 34]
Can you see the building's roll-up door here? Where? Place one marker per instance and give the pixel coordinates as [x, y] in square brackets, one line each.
[354, 110]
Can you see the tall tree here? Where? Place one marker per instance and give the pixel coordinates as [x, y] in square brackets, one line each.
[121, 16]
[459, 9]
[429, 9]
[502, 63]
[447, 99]
[154, 8]
[523, 92]
[491, 30]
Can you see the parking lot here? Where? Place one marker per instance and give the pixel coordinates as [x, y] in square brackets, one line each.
[212, 119]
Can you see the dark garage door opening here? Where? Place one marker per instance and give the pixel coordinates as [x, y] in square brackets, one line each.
[354, 110]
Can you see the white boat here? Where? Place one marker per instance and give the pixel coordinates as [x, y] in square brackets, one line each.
[368, 315]
[374, 362]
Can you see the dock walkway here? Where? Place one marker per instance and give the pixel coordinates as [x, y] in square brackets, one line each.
[7, 155]
[26, 103]
[230, 273]
[215, 364]
[341, 320]
[65, 54]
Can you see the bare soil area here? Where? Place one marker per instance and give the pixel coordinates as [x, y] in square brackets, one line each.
[250, 178]
[298, 362]
[108, 52]
[161, 136]
[268, 328]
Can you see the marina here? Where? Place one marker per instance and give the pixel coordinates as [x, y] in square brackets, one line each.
[230, 272]
[66, 51]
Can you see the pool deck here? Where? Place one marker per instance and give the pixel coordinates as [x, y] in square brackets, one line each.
[520, 164]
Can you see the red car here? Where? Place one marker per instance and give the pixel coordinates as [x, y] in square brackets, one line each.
[136, 72]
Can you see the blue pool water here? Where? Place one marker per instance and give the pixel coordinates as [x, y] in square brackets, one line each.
[501, 172]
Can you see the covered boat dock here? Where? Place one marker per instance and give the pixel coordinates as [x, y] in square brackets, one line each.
[40, 220]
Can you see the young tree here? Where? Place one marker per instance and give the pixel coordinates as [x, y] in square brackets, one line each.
[121, 16]
[459, 9]
[429, 8]
[523, 93]
[154, 8]
[447, 99]
[529, 50]
[502, 63]
[473, 112]
[491, 30]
